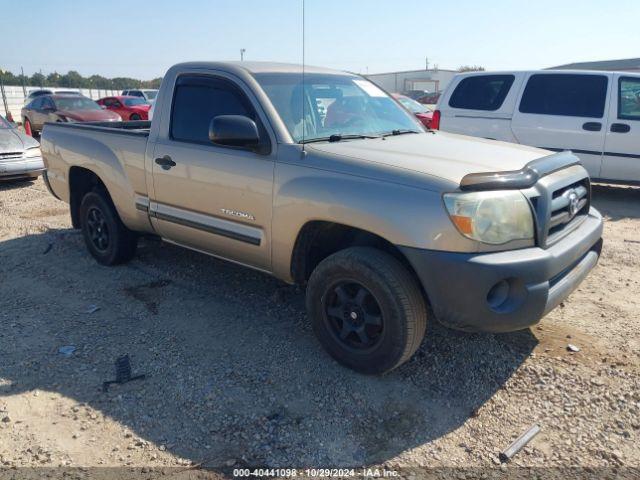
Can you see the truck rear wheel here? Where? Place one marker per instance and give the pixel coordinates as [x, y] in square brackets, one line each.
[106, 237]
[366, 309]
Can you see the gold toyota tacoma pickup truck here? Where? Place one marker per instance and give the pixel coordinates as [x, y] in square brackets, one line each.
[321, 178]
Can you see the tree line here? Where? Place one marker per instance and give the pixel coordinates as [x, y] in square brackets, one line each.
[73, 79]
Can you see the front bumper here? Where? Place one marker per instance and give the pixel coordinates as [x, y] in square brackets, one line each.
[506, 291]
[22, 167]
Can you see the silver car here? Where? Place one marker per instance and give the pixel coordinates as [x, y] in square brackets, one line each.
[20, 155]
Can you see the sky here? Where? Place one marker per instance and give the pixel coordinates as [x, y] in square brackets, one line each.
[142, 38]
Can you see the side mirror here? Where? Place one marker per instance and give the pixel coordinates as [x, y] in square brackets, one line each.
[234, 131]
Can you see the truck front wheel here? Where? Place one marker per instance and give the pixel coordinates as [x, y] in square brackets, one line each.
[367, 309]
[106, 237]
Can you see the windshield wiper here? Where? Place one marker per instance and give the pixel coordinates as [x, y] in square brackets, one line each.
[336, 137]
[398, 132]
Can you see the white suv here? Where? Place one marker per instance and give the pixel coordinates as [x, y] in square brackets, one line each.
[594, 114]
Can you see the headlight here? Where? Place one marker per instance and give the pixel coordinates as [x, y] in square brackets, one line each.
[495, 217]
[33, 153]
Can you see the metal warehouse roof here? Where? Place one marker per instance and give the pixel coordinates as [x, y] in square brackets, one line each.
[624, 64]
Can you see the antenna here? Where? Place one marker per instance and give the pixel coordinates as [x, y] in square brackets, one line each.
[303, 99]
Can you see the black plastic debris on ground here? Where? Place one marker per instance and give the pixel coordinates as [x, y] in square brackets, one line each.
[123, 373]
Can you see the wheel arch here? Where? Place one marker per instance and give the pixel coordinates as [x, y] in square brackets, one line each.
[82, 181]
[318, 239]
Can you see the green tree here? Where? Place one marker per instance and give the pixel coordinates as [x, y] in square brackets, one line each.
[37, 80]
[53, 80]
[72, 79]
[471, 68]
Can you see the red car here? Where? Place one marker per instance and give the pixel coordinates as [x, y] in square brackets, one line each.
[129, 108]
[422, 113]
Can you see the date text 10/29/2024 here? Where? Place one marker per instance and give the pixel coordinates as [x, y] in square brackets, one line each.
[315, 472]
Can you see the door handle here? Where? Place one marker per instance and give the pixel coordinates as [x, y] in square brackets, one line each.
[620, 128]
[592, 126]
[165, 162]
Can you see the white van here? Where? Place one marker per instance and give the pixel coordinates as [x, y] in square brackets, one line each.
[594, 114]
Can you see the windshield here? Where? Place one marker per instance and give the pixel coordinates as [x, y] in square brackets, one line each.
[132, 102]
[333, 105]
[76, 103]
[151, 94]
[4, 124]
[413, 106]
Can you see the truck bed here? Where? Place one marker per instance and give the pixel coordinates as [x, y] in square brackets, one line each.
[113, 151]
[139, 127]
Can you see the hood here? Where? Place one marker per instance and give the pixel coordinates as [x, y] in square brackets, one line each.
[440, 154]
[90, 115]
[11, 140]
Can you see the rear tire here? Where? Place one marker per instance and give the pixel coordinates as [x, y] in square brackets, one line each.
[106, 237]
[134, 117]
[366, 309]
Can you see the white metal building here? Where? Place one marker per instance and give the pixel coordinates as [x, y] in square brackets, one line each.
[430, 80]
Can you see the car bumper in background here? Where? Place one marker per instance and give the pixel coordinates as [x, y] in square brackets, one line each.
[20, 168]
[506, 291]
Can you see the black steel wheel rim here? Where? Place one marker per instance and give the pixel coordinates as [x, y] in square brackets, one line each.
[353, 316]
[97, 229]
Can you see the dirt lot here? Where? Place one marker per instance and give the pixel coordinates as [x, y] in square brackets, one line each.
[234, 376]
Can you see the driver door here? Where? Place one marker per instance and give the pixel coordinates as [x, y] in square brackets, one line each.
[209, 197]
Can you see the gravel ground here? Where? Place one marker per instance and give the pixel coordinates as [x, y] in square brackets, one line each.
[234, 376]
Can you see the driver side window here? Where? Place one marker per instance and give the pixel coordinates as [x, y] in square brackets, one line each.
[198, 99]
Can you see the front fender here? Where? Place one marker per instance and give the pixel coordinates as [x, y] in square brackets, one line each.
[401, 214]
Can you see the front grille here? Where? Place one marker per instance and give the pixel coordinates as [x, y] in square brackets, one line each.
[10, 155]
[568, 207]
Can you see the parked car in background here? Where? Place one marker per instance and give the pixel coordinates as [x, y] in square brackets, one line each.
[39, 93]
[375, 216]
[129, 108]
[415, 94]
[594, 114]
[149, 94]
[20, 155]
[422, 113]
[63, 108]
[430, 98]
[36, 93]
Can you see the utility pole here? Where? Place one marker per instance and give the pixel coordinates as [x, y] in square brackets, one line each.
[4, 96]
[24, 88]
[426, 63]
[242, 50]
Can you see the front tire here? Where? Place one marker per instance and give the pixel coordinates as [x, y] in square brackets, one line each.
[106, 237]
[366, 309]
[134, 117]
